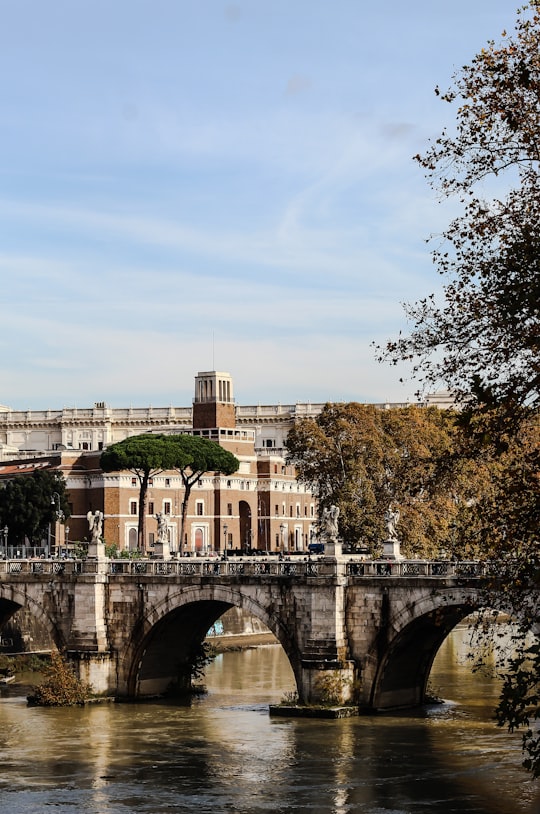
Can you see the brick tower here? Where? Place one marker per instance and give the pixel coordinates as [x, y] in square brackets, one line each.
[213, 405]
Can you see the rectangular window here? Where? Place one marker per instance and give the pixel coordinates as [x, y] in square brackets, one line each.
[133, 507]
[167, 481]
[277, 509]
[134, 481]
[151, 539]
[200, 508]
[151, 507]
[229, 509]
[167, 507]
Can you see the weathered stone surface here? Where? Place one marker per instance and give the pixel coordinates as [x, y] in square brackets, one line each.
[132, 634]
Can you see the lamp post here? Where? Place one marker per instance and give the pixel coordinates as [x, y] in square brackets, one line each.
[67, 541]
[282, 530]
[225, 528]
[59, 514]
[6, 532]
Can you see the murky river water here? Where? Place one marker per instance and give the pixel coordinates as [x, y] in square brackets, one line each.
[223, 753]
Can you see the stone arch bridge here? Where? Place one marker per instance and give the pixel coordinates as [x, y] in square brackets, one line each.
[130, 626]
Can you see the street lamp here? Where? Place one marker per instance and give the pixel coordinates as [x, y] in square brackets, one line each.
[282, 530]
[225, 528]
[6, 532]
[67, 541]
[59, 513]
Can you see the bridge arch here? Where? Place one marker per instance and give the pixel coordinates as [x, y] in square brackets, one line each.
[14, 601]
[406, 647]
[172, 627]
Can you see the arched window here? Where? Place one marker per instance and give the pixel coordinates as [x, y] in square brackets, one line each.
[132, 539]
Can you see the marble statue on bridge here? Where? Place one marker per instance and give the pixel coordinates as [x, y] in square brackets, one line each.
[391, 518]
[391, 547]
[95, 525]
[162, 527]
[329, 524]
[162, 547]
[96, 546]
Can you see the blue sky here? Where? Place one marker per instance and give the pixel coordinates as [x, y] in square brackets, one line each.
[197, 184]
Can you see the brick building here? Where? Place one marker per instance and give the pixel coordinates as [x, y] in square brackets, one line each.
[261, 506]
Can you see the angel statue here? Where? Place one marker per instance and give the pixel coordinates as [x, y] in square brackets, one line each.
[162, 527]
[391, 518]
[329, 523]
[95, 524]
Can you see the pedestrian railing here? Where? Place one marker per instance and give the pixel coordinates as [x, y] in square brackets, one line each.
[252, 567]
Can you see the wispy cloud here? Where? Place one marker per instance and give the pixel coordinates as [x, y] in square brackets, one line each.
[235, 169]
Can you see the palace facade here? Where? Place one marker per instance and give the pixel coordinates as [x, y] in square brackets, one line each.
[260, 507]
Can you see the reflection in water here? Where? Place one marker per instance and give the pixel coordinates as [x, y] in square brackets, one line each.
[223, 752]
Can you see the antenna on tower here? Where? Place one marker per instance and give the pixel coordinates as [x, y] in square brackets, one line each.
[213, 353]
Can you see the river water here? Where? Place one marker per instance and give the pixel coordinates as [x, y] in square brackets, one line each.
[223, 753]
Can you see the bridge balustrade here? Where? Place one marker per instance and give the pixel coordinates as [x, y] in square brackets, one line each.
[250, 567]
[415, 568]
[46, 567]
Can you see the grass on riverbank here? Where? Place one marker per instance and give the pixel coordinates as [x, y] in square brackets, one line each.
[23, 663]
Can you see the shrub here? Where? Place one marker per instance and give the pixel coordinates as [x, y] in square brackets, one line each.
[61, 687]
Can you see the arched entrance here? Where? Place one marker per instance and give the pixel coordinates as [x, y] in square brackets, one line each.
[132, 539]
[246, 535]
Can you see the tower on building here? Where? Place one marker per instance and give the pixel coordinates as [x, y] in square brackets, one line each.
[213, 405]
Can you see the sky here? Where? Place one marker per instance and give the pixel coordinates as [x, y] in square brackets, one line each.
[195, 185]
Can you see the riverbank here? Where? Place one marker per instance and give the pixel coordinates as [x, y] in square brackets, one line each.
[231, 642]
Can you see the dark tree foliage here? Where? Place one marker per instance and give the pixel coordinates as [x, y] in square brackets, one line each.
[192, 457]
[482, 338]
[145, 456]
[27, 506]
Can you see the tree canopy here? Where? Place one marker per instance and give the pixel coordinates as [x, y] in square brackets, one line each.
[145, 456]
[482, 337]
[363, 459]
[193, 457]
[27, 505]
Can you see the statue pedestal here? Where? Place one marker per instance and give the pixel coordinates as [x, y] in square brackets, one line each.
[391, 550]
[163, 550]
[333, 548]
[96, 551]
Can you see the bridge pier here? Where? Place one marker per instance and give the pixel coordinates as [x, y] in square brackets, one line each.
[96, 669]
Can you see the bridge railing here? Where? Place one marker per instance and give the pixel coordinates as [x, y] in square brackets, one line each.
[251, 567]
[254, 567]
[44, 567]
[417, 568]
